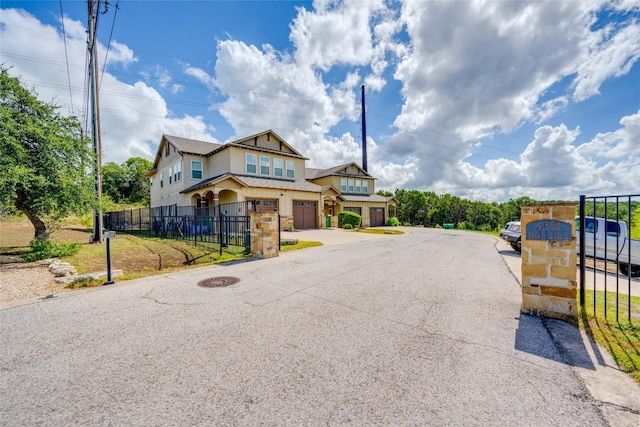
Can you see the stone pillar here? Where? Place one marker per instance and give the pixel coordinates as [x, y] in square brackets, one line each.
[549, 284]
[264, 234]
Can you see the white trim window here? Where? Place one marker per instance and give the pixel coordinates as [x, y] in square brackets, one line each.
[251, 162]
[350, 186]
[291, 169]
[177, 172]
[170, 174]
[161, 179]
[265, 165]
[343, 185]
[277, 168]
[365, 186]
[196, 169]
[358, 185]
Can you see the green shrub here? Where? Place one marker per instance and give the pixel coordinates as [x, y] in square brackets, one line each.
[347, 226]
[43, 249]
[393, 221]
[348, 217]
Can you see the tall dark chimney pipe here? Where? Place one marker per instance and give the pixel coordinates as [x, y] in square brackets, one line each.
[364, 134]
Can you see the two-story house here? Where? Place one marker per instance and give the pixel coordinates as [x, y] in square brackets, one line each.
[266, 170]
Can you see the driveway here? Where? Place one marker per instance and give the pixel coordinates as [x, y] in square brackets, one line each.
[416, 329]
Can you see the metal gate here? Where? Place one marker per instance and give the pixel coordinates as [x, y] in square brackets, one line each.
[608, 257]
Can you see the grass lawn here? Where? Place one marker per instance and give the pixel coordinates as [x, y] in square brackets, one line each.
[621, 338]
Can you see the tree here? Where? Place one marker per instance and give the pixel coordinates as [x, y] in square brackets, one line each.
[127, 183]
[43, 158]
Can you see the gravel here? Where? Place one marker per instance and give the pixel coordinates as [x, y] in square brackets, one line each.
[20, 281]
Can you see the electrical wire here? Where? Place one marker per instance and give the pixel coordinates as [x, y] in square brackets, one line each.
[113, 24]
[66, 55]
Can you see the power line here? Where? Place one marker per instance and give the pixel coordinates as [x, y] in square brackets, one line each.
[66, 55]
[113, 24]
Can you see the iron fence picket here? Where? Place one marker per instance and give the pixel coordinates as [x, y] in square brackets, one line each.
[226, 225]
[631, 202]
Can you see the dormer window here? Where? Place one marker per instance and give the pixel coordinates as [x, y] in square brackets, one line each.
[365, 187]
[343, 185]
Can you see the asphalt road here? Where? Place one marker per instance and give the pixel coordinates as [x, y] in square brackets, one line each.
[418, 329]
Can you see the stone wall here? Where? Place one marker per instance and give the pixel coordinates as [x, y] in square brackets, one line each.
[549, 279]
[286, 222]
[264, 234]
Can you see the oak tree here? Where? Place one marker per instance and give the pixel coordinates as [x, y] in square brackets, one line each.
[45, 163]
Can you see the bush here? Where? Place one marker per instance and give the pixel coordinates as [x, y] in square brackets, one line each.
[393, 221]
[43, 249]
[348, 217]
[347, 226]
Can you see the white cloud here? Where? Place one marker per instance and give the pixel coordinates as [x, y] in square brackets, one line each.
[133, 116]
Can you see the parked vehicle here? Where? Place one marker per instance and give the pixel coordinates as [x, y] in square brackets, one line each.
[610, 241]
[512, 234]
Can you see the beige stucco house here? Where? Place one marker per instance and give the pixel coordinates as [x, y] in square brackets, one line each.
[267, 171]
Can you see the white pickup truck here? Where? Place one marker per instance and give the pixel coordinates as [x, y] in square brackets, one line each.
[614, 237]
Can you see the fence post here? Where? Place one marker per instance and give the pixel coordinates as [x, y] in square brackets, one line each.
[582, 254]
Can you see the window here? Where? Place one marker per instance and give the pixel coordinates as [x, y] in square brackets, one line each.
[170, 174]
[177, 172]
[351, 186]
[150, 182]
[291, 169]
[365, 187]
[265, 165]
[166, 150]
[353, 209]
[161, 180]
[251, 162]
[196, 169]
[277, 167]
[343, 184]
[358, 185]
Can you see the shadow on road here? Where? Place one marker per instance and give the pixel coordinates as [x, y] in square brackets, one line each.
[556, 335]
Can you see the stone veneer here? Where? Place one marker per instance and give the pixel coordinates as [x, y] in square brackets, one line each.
[264, 234]
[549, 284]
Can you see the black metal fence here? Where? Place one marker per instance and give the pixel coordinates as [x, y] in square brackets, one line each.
[607, 254]
[224, 227]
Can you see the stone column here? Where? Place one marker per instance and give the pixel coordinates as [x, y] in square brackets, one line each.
[549, 284]
[264, 234]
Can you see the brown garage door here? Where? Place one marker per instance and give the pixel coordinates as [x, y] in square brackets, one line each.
[305, 215]
[377, 216]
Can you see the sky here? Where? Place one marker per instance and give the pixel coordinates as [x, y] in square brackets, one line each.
[487, 100]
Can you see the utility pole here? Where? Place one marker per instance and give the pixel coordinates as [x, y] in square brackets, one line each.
[92, 46]
[364, 133]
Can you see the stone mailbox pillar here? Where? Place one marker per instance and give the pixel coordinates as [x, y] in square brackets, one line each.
[264, 234]
[549, 282]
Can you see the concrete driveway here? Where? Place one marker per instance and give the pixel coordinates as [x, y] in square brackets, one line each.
[418, 329]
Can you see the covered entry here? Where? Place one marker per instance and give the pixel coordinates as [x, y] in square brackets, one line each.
[305, 214]
[376, 216]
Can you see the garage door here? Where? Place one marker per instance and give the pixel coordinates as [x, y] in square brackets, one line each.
[305, 215]
[376, 216]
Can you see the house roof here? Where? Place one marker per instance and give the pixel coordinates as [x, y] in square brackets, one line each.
[280, 184]
[212, 181]
[192, 146]
[312, 173]
[251, 181]
[366, 198]
[204, 148]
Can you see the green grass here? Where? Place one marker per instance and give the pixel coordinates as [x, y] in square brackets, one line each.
[621, 338]
[302, 244]
[375, 231]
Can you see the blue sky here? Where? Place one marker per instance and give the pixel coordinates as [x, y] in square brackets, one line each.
[488, 100]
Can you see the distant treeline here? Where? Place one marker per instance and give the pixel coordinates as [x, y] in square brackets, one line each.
[429, 209]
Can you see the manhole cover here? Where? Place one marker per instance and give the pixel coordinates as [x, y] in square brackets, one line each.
[218, 282]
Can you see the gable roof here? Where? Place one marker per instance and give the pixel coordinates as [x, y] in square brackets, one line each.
[204, 148]
[340, 170]
[191, 146]
[243, 142]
